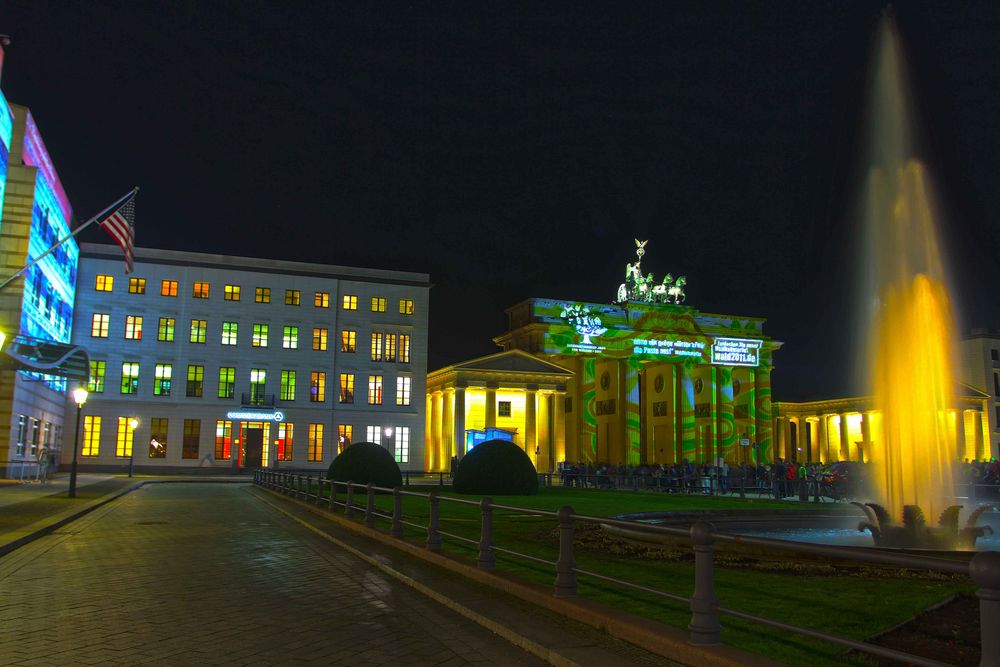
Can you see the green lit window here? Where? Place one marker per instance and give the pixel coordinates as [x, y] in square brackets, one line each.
[165, 330]
[230, 331]
[195, 381]
[259, 335]
[257, 381]
[192, 436]
[287, 386]
[130, 377]
[227, 382]
[161, 379]
[199, 330]
[290, 338]
[96, 382]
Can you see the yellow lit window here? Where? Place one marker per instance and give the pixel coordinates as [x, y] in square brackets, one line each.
[168, 288]
[374, 390]
[292, 297]
[321, 300]
[346, 388]
[200, 291]
[91, 435]
[315, 452]
[133, 327]
[319, 339]
[99, 325]
[345, 434]
[105, 283]
[390, 347]
[136, 285]
[378, 304]
[406, 306]
[377, 346]
[123, 443]
[348, 341]
[317, 387]
[402, 391]
[231, 293]
[404, 348]
[262, 295]
[158, 438]
[350, 302]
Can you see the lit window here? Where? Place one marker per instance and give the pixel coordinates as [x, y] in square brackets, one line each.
[133, 327]
[258, 376]
[158, 438]
[390, 347]
[402, 444]
[130, 377]
[192, 436]
[123, 443]
[227, 382]
[319, 339]
[105, 283]
[373, 434]
[91, 435]
[231, 293]
[99, 325]
[223, 440]
[378, 304]
[315, 452]
[165, 330]
[283, 441]
[376, 346]
[96, 382]
[317, 387]
[230, 331]
[136, 285]
[161, 379]
[199, 331]
[345, 434]
[262, 295]
[287, 392]
[290, 338]
[404, 348]
[195, 381]
[350, 302]
[321, 300]
[200, 291]
[346, 387]
[406, 306]
[259, 335]
[292, 297]
[503, 408]
[374, 390]
[402, 391]
[168, 288]
[348, 341]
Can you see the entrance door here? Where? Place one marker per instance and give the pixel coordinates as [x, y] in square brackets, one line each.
[254, 439]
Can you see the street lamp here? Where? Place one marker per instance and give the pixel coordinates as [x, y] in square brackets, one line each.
[80, 396]
[133, 423]
[388, 437]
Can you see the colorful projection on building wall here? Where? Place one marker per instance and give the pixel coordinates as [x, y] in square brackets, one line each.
[6, 127]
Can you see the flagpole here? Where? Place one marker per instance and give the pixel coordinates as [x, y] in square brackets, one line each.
[71, 235]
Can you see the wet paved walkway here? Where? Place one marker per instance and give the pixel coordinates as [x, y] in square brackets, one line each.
[205, 574]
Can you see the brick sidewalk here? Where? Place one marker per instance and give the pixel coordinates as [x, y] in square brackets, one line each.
[205, 574]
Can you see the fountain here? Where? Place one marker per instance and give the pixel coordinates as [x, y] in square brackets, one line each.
[912, 331]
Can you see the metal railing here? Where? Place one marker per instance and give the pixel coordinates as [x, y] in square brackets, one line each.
[705, 626]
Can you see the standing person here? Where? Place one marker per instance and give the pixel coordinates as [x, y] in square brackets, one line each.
[724, 476]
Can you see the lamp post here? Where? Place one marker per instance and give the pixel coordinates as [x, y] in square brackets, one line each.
[391, 446]
[133, 423]
[80, 396]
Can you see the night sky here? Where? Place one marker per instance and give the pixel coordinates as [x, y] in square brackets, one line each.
[514, 150]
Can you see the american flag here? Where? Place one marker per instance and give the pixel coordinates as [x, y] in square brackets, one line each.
[121, 225]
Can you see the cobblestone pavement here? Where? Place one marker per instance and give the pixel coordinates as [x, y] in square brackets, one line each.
[204, 574]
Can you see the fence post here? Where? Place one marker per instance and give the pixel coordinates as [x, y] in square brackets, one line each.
[370, 506]
[565, 576]
[984, 568]
[288, 484]
[487, 559]
[349, 505]
[397, 513]
[319, 490]
[433, 536]
[333, 494]
[705, 627]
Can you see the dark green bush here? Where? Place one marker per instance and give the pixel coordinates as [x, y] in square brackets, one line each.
[365, 462]
[496, 467]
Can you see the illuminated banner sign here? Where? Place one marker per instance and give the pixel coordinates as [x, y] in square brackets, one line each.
[736, 351]
[669, 348]
[256, 415]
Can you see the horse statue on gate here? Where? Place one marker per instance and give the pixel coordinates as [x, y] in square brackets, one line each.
[644, 288]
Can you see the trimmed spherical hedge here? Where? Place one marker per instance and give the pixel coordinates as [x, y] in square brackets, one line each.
[496, 467]
[365, 462]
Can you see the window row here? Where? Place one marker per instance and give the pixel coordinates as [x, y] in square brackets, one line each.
[195, 385]
[384, 346]
[293, 297]
[279, 436]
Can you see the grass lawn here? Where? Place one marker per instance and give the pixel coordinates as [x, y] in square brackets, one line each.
[848, 600]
